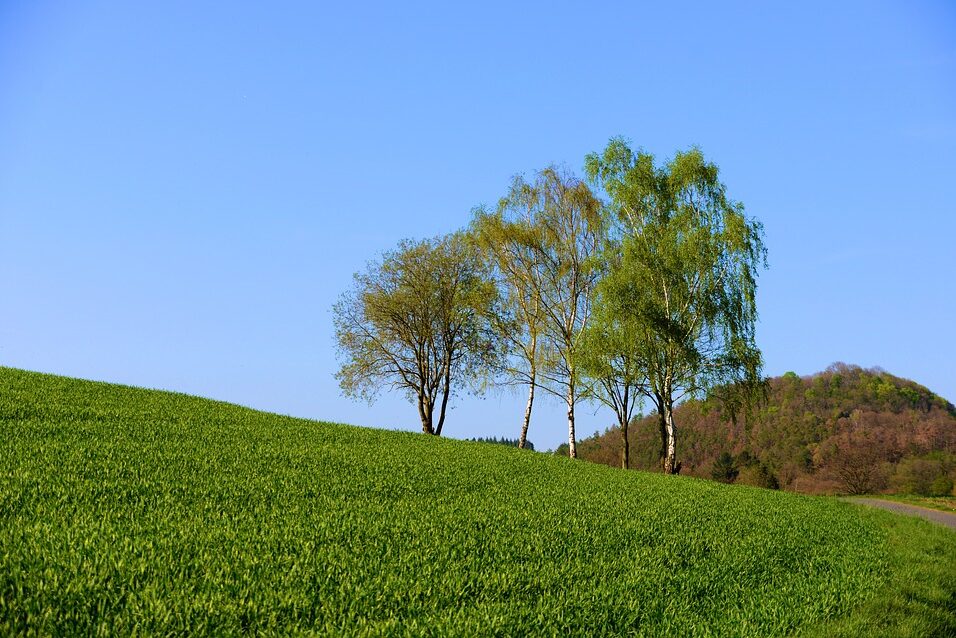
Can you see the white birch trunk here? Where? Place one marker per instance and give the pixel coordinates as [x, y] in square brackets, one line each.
[572, 448]
[670, 460]
[527, 416]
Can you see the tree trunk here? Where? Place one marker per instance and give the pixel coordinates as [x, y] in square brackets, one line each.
[623, 422]
[425, 413]
[572, 448]
[662, 426]
[527, 415]
[446, 390]
[625, 451]
[671, 466]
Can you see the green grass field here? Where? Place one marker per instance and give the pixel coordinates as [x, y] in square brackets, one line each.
[129, 511]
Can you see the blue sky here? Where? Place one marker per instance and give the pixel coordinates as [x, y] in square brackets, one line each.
[185, 190]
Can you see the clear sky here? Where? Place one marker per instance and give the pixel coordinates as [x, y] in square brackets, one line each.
[186, 188]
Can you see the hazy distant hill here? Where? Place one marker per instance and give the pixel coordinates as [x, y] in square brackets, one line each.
[846, 429]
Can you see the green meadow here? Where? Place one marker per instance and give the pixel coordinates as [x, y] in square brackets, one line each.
[136, 512]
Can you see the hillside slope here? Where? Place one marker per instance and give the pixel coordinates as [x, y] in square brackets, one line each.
[846, 429]
[132, 511]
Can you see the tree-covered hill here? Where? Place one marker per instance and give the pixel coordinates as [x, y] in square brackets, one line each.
[846, 429]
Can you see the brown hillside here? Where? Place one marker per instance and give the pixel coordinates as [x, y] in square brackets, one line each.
[846, 429]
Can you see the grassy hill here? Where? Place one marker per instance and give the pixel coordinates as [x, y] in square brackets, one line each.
[814, 434]
[133, 511]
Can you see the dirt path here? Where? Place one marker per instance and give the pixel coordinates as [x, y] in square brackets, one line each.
[943, 518]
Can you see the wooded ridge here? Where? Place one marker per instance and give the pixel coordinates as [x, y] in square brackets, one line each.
[844, 430]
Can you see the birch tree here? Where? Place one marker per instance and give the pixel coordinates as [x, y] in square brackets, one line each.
[686, 278]
[413, 322]
[563, 239]
[507, 238]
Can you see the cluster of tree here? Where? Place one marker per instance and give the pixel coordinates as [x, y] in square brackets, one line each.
[848, 430]
[932, 474]
[743, 468]
[526, 444]
[636, 283]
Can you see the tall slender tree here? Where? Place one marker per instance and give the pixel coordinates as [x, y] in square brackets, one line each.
[415, 321]
[507, 239]
[686, 277]
[610, 357]
[563, 240]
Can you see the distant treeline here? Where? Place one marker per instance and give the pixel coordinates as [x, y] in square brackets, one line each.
[528, 445]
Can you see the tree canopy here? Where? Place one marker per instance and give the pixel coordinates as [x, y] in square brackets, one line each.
[564, 237]
[808, 433]
[684, 259]
[610, 357]
[415, 321]
[508, 240]
[649, 293]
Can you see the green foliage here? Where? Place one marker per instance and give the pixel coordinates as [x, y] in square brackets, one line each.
[416, 321]
[725, 469]
[611, 360]
[758, 475]
[542, 241]
[682, 268]
[926, 475]
[508, 240]
[812, 430]
[125, 511]
[609, 356]
[942, 485]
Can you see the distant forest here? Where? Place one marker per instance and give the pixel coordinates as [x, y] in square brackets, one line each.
[844, 430]
[528, 445]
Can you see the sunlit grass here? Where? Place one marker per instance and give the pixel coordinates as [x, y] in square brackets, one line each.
[133, 511]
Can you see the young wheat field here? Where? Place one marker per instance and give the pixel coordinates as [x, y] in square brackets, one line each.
[129, 511]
